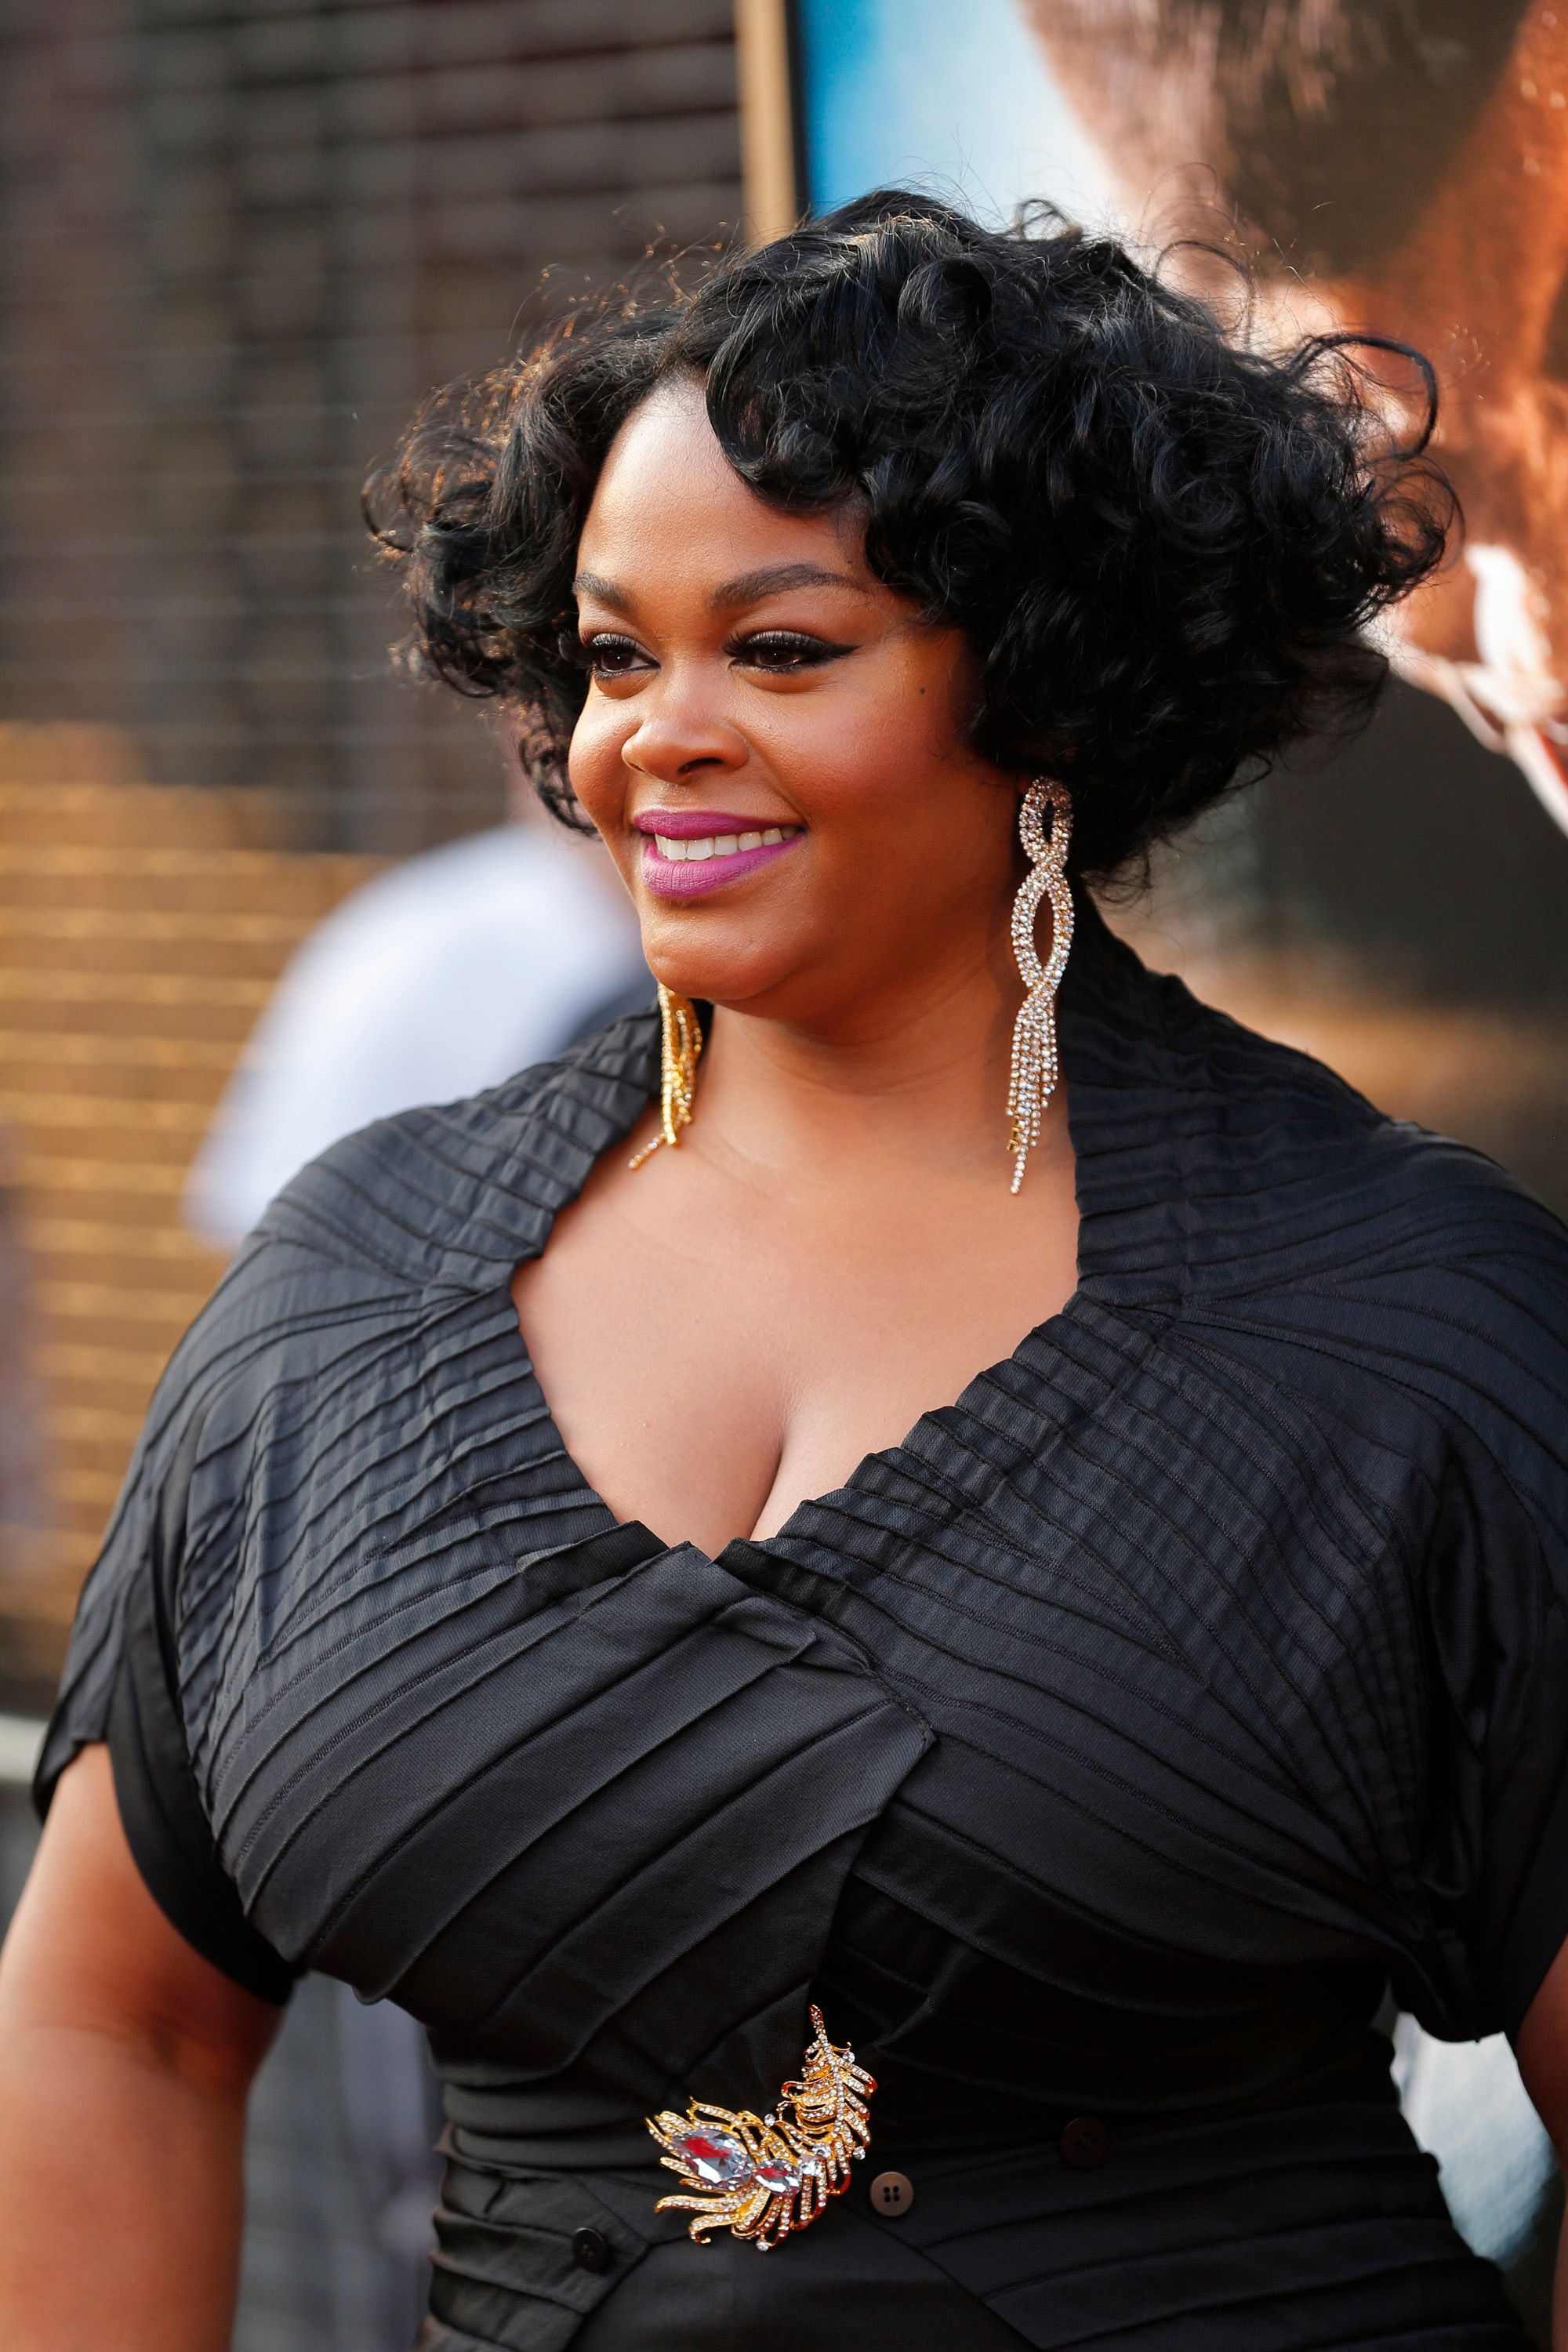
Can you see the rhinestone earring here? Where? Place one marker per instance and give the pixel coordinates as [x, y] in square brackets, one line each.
[1035, 1065]
[681, 1043]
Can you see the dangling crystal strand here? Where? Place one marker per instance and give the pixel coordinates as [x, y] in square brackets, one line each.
[1035, 1067]
[681, 1043]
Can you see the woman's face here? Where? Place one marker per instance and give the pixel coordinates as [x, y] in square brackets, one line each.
[772, 744]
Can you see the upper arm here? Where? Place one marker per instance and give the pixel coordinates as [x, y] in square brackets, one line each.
[89, 1948]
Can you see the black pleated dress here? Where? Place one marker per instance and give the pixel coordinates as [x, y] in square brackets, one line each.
[1094, 1757]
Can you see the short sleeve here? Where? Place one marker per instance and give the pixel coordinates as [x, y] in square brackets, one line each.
[122, 1685]
[1495, 1836]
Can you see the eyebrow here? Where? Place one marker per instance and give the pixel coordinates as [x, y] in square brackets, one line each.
[588, 584]
[748, 588]
[773, 578]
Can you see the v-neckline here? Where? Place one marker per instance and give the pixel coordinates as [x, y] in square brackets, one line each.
[1091, 936]
[907, 1448]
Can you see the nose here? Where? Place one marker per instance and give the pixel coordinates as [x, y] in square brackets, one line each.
[681, 735]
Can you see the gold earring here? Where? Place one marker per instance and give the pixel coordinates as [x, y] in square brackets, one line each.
[681, 1042]
[1035, 1065]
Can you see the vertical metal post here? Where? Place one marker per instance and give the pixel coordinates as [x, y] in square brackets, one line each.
[768, 149]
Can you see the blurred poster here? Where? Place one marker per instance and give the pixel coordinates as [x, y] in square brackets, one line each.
[1407, 161]
[1394, 166]
[901, 93]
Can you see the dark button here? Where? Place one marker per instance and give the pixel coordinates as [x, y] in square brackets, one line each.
[1086, 2142]
[892, 2192]
[591, 2250]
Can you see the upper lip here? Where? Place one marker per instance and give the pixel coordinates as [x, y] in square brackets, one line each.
[697, 824]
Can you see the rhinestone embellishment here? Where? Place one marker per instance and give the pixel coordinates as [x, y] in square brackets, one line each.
[763, 2176]
[1034, 1066]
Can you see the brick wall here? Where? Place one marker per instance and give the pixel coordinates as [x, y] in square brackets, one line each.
[142, 928]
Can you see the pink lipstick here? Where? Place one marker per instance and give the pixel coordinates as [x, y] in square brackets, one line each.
[687, 853]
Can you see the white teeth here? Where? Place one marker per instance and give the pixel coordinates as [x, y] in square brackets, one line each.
[722, 845]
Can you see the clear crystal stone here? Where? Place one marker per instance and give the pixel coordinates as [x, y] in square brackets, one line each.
[715, 2158]
[779, 2176]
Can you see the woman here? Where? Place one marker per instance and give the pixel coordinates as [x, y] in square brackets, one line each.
[1088, 1754]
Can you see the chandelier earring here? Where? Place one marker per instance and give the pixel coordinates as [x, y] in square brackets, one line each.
[681, 1043]
[1035, 1067]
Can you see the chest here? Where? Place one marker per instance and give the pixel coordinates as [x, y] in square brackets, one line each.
[1116, 1629]
[712, 1355]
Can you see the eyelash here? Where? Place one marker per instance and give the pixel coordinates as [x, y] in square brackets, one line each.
[804, 652]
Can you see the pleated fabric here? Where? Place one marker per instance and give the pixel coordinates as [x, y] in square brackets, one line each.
[1106, 1748]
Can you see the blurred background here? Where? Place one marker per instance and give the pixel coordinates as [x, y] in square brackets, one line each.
[255, 888]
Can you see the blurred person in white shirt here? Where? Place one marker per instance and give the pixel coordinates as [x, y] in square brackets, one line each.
[441, 976]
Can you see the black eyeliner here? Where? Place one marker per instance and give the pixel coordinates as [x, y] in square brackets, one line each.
[810, 652]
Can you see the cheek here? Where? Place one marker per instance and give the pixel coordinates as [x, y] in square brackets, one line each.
[593, 763]
[892, 749]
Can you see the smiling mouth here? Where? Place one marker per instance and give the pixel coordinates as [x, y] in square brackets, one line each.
[687, 865]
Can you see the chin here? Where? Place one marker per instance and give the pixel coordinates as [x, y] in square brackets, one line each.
[717, 970]
[749, 980]
[720, 954]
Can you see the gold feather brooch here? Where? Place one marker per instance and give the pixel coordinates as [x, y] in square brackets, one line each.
[763, 2176]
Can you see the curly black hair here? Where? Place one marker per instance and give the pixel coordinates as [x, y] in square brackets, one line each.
[1164, 547]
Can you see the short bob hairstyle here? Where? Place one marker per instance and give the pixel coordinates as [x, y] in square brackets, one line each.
[1165, 548]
